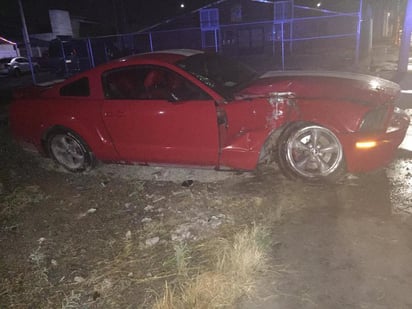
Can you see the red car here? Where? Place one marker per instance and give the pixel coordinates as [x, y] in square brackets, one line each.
[187, 107]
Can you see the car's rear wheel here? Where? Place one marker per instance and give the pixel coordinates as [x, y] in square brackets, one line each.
[311, 152]
[69, 150]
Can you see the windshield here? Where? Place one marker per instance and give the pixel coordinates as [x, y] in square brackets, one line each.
[222, 74]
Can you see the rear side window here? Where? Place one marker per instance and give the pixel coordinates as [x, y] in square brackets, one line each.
[78, 88]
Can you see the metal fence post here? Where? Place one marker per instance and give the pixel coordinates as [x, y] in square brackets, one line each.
[283, 45]
[90, 52]
[216, 41]
[151, 41]
[358, 33]
[66, 71]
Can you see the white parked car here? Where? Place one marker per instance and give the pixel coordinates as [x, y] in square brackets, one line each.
[16, 66]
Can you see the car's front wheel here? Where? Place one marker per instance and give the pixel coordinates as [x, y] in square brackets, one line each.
[69, 150]
[311, 152]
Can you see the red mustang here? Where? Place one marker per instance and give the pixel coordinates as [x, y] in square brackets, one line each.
[186, 107]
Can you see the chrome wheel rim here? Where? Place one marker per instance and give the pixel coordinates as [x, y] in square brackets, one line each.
[314, 151]
[68, 151]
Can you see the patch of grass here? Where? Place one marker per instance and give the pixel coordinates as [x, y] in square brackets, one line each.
[19, 199]
[134, 269]
[230, 273]
[182, 254]
[233, 274]
[72, 301]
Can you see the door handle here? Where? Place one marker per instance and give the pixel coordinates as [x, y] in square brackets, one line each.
[115, 114]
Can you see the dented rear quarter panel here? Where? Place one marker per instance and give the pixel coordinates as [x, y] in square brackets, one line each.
[32, 119]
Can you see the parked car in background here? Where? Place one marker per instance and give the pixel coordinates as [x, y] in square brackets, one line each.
[17, 66]
[188, 107]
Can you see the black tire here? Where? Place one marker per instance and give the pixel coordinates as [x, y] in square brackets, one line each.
[69, 150]
[310, 152]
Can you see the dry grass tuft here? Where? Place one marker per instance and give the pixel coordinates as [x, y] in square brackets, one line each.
[167, 301]
[233, 274]
[246, 255]
[209, 290]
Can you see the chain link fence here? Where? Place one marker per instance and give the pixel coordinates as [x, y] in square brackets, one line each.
[277, 39]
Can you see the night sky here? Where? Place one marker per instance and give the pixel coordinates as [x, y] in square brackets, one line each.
[112, 15]
[116, 16]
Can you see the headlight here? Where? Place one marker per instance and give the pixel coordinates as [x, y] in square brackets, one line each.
[374, 120]
[398, 118]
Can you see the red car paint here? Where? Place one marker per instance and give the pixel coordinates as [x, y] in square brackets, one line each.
[217, 130]
[339, 102]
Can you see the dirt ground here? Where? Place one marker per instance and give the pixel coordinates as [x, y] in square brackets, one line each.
[108, 239]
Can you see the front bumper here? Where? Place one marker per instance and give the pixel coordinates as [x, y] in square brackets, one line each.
[378, 148]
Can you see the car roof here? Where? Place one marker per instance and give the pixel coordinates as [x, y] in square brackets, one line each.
[168, 56]
[182, 52]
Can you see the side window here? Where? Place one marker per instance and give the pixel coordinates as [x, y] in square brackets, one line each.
[124, 83]
[22, 60]
[149, 83]
[164, 84]
[184, 90]
[78, 88]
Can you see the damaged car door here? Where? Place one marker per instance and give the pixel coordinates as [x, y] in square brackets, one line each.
[154, 115]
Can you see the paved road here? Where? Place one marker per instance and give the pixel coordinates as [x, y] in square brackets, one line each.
[348, 247]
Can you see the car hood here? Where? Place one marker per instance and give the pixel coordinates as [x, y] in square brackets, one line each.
[334, 86]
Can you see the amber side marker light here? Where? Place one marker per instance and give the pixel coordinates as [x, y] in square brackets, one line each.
[366, 144]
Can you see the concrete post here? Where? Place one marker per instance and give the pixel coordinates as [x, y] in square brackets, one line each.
[405, 39]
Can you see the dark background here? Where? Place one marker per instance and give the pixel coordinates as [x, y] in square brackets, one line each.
[116, 16]
[111, 16]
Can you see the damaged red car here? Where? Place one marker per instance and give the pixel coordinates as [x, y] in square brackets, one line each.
[192, 108]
